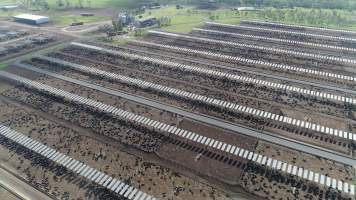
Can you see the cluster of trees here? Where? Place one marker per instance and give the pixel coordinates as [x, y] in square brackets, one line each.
[71, 3]
[164, 21]
[309, 16]
[44, 5]
[117, 24]
[331, 4]
[37, 4]
[318, 17]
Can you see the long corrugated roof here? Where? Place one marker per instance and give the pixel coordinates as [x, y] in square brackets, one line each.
[31, 17]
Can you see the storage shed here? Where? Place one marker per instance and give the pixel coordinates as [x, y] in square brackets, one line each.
[247, 9]
[8, 7]
[149, 21]
[31, 19]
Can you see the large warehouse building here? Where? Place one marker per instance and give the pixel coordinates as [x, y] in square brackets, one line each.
[31, 19]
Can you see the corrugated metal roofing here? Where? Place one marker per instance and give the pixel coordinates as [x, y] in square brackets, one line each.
[30, 17]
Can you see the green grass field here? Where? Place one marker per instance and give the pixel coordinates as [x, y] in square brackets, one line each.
[85, 3]
[67, 20]
[6, 63]
[62, 20]
[59, 17]
[93, 3]
[3, 65]
[183, 20]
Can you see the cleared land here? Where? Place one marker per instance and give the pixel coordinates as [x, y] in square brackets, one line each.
[259, 83]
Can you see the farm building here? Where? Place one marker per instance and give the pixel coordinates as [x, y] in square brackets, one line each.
[149, 21]
[126, 18]
[9, 7]
[247, 9]
[31, 19]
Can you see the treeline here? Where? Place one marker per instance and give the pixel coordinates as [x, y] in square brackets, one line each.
[315, 17]
[331, 4]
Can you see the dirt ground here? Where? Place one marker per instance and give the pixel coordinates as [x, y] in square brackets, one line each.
[334, 143]
[326, 167]
[158, 181]
[83, 134]
[6, 195]
[195, 161]
[217, 169]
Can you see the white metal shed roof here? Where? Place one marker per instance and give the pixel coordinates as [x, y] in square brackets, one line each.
[30, 17]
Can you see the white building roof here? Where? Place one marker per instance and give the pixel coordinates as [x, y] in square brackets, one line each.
[8, 6]
[30, 17]
[246, 8]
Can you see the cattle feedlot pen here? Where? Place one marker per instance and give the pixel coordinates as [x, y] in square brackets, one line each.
[210, 101]
[69, 163]
[245, 154]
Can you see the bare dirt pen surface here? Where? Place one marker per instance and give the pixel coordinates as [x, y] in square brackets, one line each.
[6, 195]
[153, 179]
[33, 39]
[196, 161]
[261, 98]
[165, 165]
[267, 187]
[343, 172]
[217, 170]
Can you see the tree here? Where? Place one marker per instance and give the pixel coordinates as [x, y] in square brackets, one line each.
[138, 32]
[68, 3]
[117, 24]
[46, 5]
[60, 3]
[89, 3]
[25, 3]
[40, 4]
[80, 3]
[164, 21]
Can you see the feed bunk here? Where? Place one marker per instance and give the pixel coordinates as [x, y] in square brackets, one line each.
[299, 27]
[286, 32]
[210, 101]
[188, 135]
[282, 67]
[218, 74]
[281, 41]
[76, 166]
